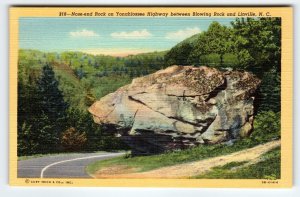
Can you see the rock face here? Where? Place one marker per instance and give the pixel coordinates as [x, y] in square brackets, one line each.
[179, 107]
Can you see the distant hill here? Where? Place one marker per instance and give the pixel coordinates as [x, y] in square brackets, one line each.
[85, 77]
[190, 40]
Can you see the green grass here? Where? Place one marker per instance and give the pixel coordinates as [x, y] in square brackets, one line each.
[145, 163]
[268, 168]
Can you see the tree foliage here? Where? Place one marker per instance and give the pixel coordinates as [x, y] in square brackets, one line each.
[50, 100]
[42, 112]
[257, 43]
[216, 40]
[73, 140]
[220, 40]
[266, 126]
[252, 44]
[178, 55]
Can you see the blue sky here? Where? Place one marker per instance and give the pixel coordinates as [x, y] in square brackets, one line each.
[111, 36]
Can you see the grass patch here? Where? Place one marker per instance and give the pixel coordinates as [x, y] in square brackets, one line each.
[231, 165]
[145, 163]
[268, 168]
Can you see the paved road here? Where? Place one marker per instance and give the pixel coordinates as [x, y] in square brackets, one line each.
[60, 166]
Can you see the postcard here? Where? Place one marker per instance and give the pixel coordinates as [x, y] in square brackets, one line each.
[151, 96]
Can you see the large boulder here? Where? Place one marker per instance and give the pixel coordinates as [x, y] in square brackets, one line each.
[179, 107]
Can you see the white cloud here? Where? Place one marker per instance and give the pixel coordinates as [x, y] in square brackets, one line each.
[182, 33]
[83, 33]
[138, 34]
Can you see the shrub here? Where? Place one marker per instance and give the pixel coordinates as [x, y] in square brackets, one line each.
[266, 126]
[72, 140]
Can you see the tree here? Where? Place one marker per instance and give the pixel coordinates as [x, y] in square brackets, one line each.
[97, 138]
[96, 65]
[25, 104]
[80, 72]
[89, 97]
[266, 126]
[268, 96]
[200, 49]
[257, 42]
[73, 140]
[50, 98]
[179, 54]
[218, 40]
[27, 99]
[48, 113]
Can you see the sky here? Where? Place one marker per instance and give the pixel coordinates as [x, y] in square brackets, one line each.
[109, 36]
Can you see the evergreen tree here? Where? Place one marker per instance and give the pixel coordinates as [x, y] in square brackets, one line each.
[51, 101]
[79, 72]
[49, 112]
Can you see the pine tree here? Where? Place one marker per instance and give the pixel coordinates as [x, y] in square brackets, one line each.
[51, 101]
[49, 112]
